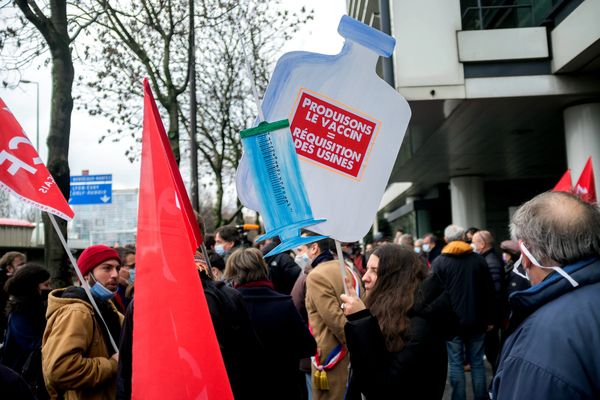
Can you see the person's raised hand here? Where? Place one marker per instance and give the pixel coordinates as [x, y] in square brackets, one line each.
[348, 279]
[351, 304]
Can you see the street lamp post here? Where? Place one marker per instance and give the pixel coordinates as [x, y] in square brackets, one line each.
[37, 147]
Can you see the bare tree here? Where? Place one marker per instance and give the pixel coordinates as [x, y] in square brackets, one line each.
[137, 39]
[225, 104]
[153, 37]
[51, 27]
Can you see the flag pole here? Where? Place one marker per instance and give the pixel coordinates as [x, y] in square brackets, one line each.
[251, 78]
[340, 254]
[84, 283]
[205, 254]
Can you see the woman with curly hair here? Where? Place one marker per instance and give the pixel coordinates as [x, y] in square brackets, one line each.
[397, 340]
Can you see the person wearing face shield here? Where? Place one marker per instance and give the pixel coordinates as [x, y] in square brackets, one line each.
[78, 359]
[551, 351]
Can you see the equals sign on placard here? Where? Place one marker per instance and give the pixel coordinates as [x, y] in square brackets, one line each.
[330, 135]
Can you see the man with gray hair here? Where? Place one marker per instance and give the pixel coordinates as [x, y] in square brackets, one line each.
[554, 333]
[469, 284]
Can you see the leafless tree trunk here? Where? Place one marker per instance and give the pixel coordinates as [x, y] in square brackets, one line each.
[55, 31]
[193, 110]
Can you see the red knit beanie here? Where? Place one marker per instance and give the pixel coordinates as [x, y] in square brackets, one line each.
[94, 256]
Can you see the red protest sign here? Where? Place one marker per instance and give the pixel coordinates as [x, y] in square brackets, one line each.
[23, 172]
[331, 134]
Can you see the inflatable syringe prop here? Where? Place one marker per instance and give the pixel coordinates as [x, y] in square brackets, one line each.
[277, 181]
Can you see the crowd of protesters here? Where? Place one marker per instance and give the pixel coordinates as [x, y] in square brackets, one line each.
[405, 316]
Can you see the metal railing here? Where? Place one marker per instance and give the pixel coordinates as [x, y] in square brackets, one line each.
[497, 15]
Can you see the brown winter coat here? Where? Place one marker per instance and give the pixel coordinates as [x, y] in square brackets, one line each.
[323, 290]
[75, 359]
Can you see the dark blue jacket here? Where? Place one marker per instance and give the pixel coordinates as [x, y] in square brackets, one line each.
[468, 282]
[285, 338]
[553, 351]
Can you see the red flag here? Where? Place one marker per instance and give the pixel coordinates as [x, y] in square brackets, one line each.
[175, 350]
[564, 185]
[191, 224]
[586, 187]
[23, 172]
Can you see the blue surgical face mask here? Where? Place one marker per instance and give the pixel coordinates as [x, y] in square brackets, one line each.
[417, 250]
[219, 249]
[99, 291]
[131, 275]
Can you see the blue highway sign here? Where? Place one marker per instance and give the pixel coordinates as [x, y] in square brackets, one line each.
[91, 189]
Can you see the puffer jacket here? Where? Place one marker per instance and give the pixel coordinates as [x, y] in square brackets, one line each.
[75, 357]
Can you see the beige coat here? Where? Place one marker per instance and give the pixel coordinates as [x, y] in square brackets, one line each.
[75, 360]
[323, 289]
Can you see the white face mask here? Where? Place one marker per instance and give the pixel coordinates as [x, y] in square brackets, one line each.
[535, 262]
[425, 247]
[302, 260]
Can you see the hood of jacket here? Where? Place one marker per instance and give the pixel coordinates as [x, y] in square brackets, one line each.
[457, 248]
[59, 298]
[585, 272]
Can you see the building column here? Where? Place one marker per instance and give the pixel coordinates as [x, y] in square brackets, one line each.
[468, 203]
[582, 138]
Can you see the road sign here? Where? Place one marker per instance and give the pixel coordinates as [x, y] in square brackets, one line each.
[91, 189]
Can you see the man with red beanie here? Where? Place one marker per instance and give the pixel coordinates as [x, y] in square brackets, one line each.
[78, 359]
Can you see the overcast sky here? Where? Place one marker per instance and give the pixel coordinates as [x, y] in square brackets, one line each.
[319, 35]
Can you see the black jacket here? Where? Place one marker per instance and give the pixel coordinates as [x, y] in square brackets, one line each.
[240, 346]
[283, 270]
[285, 337]
[12, 386]
[467, 279]
[418, 371]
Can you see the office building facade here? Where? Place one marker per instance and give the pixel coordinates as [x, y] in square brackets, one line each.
[505, 97]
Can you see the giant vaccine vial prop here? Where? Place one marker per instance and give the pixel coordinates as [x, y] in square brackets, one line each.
[275, 176]
[347, 126]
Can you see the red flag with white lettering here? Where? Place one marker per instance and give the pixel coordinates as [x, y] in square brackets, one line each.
[564, 184]
[586, 187]
[23, 172]
[175, 350]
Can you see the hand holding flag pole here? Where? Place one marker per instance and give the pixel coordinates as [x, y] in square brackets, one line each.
[84, 283]
[340, 254]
